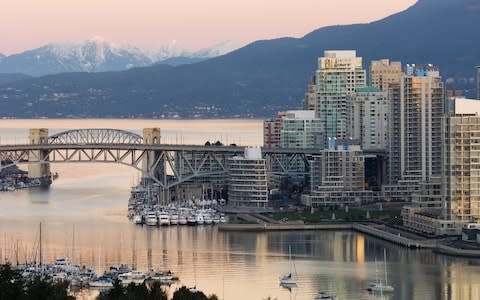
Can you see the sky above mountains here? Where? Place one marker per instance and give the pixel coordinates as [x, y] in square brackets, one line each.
[27, 24]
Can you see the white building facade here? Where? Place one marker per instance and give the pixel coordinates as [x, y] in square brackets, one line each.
[247, 185]
[368, 118]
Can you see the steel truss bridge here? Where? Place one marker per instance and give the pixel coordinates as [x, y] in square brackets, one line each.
[167, 165]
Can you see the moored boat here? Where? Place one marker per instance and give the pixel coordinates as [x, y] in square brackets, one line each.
[137, 219]
[182, 220]
[164, 219]
[101, 282]
[151, 219]
[174, 219]
[137, 277]
[191, 220]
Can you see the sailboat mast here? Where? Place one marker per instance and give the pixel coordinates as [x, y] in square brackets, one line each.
[40, 246]
[385, 263]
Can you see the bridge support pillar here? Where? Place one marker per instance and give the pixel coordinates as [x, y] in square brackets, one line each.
[39, 170]
[150, 167]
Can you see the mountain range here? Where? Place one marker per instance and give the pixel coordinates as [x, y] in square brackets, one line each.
[98, 55]
[261, 78]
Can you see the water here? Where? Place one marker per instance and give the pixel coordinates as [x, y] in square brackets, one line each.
[84, 217]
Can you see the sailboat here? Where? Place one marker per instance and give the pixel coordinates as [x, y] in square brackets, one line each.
[290, 279]
[379, 286]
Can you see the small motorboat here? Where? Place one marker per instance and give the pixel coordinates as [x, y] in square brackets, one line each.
[137, 219]
[164, 219]
[101, 282]
[325, 296]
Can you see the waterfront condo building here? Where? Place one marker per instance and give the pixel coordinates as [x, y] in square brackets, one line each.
[384, 72]
[337, 176]
[461, 168]
[454, 199]
[338, 75]
[291, 129]
[368, 118]
[300, 129]
[415, 126]
[247, 185]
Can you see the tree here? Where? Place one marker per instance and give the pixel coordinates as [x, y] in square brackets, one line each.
[156, 292]
[116, 292]
[11, 283]
[185, 293]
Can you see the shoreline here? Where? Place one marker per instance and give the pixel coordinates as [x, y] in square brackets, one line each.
[436, 245]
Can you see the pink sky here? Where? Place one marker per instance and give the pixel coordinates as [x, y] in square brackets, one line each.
[27, 24]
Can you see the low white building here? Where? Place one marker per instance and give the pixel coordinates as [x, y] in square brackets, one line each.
[247, 184]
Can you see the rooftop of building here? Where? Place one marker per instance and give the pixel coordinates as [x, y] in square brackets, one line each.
[300, 114]
[465, 106]
[340, 53]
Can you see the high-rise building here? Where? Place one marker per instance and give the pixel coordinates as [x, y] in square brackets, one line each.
[461, 171]
[311, 95]
[247, 185]
[300, 129]
[368, 117]
[292, 129]
[446, 203]
[336, 176]
[339, 73]
[416, 110]
[384, 72]
[271, 131]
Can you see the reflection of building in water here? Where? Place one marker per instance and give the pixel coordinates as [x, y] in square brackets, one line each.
[461, 284]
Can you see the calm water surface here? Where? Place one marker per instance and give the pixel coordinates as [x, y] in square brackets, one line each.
[84, 217]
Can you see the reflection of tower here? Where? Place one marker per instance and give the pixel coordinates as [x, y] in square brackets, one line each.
[149, 248]
[134, 250]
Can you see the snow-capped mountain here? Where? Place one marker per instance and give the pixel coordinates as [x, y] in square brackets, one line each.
[98, 55]
[2, 56]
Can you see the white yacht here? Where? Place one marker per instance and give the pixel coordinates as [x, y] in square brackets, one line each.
[164, 219]
[174, 219]
[191, 220]
[151, 219]
[216, 219]
[182, 220]
[137, 219]
[101, 282]
[200, 219]
[163, 276]
[207, 218]
[137, 277]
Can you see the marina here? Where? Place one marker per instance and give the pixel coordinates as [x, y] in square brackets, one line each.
[144, 208]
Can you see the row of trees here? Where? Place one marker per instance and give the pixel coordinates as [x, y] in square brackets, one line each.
[155, 292]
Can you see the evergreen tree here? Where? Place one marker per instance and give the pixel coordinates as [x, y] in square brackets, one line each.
[11, 283]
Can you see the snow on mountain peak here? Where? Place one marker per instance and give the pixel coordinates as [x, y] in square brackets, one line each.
[97, 54]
